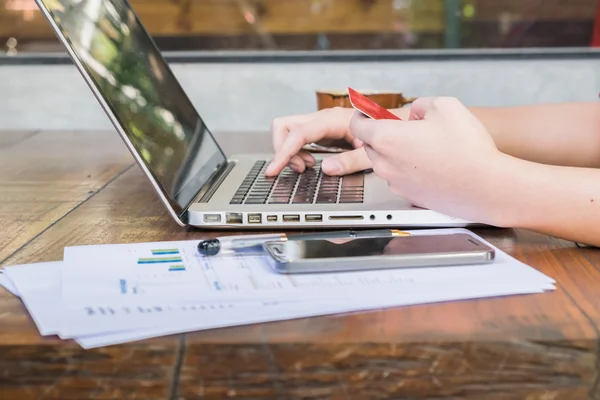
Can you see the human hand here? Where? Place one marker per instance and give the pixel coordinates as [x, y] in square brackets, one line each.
[293, 132]
[441, 158]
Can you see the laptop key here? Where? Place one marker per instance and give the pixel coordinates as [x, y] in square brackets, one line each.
[281, 193]
[255, 201]
[353, 181]
[258, 195]
[279, 201]
[260, 187]
[323, 195]
[328, 193]
[326, 200]
[351, 192]
[351, 196]
[302, 200]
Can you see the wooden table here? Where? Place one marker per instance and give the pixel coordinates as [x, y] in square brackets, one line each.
[59, 189]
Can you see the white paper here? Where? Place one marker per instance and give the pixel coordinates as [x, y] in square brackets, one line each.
[100, 317]
[101, 320]
[8, 285]
[41, 285]
[41, 288]
[111, 275]
[310, 309]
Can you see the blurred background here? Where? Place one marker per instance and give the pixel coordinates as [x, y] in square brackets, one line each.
[192, 25]
[244, 62]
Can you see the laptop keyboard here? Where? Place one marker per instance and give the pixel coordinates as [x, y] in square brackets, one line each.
[289, 187]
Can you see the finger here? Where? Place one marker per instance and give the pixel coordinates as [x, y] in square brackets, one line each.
[421, 107]
[361, 127]
[308, 158]
[280, 127]
[372, 154]
[346, 163]
[312, 131]
[297, 164]
[301, 161]
[384, 169]
[427, 107]
[357, 143]
[377, 134]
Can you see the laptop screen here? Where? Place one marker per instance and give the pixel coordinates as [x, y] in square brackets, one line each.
[133, 79]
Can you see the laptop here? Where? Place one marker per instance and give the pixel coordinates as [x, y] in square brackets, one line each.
[198, 183]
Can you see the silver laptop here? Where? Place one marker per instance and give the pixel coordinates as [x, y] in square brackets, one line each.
[199, 184]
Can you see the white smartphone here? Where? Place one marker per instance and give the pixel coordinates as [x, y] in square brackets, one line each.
[337, 255]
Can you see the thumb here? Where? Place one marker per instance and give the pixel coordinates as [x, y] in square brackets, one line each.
[347, 162]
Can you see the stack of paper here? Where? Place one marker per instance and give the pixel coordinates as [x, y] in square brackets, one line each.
[110, 294]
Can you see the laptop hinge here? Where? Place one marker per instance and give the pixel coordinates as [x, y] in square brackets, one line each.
[207, 191]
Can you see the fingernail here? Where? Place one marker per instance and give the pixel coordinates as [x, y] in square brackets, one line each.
[269, 169]
[332, 166]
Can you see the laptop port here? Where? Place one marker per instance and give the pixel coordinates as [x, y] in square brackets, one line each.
[254, 218]
[291, 218]
[313, 218]
[234, 218]
[271, 218]
[346, 217]
[212, 218]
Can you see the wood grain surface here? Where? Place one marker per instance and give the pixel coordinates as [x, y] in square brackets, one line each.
[63, 189]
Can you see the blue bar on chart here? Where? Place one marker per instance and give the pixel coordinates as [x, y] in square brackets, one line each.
[160, 252]
[177, 268]
[159, 260]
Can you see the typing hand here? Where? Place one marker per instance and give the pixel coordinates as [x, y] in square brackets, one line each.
[292, 132]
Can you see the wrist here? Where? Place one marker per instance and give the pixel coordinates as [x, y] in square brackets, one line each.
[549, 199]
[506, 196]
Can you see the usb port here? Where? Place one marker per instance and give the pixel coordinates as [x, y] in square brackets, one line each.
[291, 218]
[313, 218]
[212, 218]
[271, 218]
[254, 218]
[234, 218]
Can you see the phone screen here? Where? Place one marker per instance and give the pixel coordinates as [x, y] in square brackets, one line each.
[369, 247]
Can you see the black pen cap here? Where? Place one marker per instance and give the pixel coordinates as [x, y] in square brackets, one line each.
[209, 247]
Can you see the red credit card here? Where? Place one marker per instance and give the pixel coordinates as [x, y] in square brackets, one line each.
[369, 107]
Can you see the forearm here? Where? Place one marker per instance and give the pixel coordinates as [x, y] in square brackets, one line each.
[554, 200]
[558, 134]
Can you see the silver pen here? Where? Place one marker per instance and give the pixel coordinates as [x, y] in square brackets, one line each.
[228, 244]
